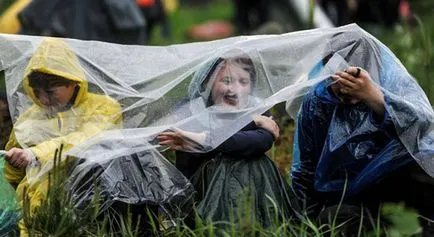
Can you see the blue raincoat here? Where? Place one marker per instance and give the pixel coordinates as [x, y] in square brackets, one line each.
[340, 146]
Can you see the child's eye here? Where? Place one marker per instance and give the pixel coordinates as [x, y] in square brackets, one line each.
[244, 82]
[227, 80]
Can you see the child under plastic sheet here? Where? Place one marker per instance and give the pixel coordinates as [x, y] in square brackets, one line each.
[62, 111]
[350, 133]
[238, 166]
[65, 112]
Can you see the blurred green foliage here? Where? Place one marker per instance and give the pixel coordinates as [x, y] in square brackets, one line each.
[4, 4]
[403, 222]
[413, 44]
[189, 15]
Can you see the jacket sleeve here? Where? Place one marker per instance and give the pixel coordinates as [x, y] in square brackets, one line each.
[105, 118]
[249, 141]
[384, 124]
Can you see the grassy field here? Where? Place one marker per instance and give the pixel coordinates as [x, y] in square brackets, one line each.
[58, 216]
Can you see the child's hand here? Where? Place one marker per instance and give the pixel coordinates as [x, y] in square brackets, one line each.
[268, 124]
[18, 158]
[355, 85]
[182, 140]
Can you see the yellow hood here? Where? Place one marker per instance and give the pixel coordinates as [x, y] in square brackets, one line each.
[53, 56]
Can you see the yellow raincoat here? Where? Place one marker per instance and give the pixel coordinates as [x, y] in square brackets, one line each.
[43, 133]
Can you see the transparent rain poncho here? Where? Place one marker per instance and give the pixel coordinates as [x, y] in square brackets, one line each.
[157, 92]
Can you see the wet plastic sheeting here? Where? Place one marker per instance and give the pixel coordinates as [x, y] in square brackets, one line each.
[150, 82]
[140, 178]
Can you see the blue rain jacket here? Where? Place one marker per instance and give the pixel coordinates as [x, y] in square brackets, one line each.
[338, 145]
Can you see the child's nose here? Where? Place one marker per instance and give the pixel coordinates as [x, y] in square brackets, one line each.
[234, 87]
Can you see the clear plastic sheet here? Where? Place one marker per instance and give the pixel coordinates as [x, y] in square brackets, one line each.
[157, 90]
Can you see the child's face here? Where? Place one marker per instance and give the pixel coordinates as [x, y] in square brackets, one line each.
[55, 95]
[231, 87]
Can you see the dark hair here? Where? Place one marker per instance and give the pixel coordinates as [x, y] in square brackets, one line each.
[247, 64]
[44, 80]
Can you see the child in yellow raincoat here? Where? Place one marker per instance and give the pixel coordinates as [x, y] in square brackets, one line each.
[63, 112]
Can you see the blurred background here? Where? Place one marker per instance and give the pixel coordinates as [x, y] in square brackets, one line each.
[405, 26]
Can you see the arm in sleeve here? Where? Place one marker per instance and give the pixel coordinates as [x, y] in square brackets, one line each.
[247, 143]
[107, 118]
[251, 140]
[407, 111]
[384, 124]
[407, 106]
